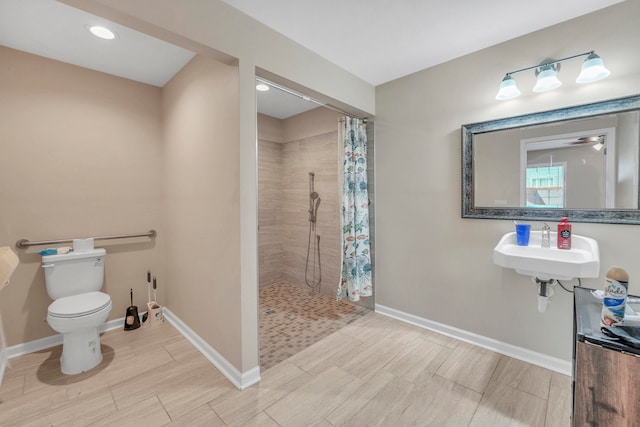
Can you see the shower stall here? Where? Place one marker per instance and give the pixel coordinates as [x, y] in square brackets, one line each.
[299, 229]
[299, 202]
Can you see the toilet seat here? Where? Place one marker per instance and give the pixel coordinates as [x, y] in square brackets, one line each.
[79, 305]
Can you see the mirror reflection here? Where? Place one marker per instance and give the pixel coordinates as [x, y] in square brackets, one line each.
[582, 162]
[575, 164]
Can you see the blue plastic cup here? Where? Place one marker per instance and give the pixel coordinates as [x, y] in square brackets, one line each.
[522, 234]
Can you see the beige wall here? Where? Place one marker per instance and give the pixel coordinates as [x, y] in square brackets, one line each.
[215, 26]
[81, 155]
[434, 264]
[269, 211]
[202, 205]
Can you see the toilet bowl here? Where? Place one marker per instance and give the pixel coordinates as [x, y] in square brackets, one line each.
[77, 318]
[79, 308]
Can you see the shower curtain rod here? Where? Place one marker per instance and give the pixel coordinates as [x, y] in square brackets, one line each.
[307, 98]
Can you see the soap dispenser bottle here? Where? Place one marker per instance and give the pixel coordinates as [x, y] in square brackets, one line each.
[546, 236]
[564, 234]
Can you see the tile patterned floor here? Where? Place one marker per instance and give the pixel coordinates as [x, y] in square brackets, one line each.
[293, 318]
[375, 371]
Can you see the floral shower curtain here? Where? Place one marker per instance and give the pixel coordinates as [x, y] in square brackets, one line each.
[355, 279]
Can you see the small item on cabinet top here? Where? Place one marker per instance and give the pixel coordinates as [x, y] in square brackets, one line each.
[616, 284]
[626, 334]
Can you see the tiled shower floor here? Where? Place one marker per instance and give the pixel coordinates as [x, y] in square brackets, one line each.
[292, 318]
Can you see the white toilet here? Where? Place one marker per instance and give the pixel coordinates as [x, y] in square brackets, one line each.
[73, 282]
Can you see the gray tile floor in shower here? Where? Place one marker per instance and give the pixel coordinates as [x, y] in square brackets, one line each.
[293, 318]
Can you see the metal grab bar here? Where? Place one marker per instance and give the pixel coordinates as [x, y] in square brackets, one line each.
[25, 243]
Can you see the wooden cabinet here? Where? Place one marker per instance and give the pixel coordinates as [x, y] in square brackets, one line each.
[606, 373]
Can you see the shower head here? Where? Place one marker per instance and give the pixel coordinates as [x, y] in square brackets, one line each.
[312, 174]
[314, 195]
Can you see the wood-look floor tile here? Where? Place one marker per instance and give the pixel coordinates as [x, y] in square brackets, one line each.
[276, 382]
[559, 402]
[418, 361]
[148, 383]
[181, 349]
[315, 399]
[321, 423]
[49, 373]
[440, 339]
[119, 371]
[523, 376]
[502, 405]
[29, 362]
[11, 388]
[261, 420]
[146, 413]
[440, 402]
[330, 351]
[469, 366]
[14, 411]
[78, 412]
[369, 358]
[187, 395]
[202, 416]
[144, 339]
[375, 371]
[369, 327]
[383, 397]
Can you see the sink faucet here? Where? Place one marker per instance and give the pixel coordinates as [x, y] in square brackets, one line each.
[546, 235]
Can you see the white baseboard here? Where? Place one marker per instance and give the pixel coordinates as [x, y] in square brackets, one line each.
[44, 343]
[529, 356]
[241, 380]
[54, 340]
[3, 363]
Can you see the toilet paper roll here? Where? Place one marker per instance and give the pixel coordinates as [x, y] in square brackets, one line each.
[82, 245]
[8, 264]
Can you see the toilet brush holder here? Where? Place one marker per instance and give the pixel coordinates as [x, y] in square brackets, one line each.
[131, 318]
[155, 314]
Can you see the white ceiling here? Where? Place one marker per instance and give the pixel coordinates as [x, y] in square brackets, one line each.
[282, 105]
[382, 40]
[58, 31]
[377, 40]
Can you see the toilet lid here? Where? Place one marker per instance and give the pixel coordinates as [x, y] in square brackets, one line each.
[79, 305]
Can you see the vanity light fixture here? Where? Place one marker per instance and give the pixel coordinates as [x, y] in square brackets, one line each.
[102, 32]
[547, 78]
[593, 69]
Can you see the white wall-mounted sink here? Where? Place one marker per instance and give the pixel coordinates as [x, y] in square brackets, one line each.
[581, 261]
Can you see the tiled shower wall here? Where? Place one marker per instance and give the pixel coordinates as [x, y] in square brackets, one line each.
[269, 211]
[311, 145]
[318, 154]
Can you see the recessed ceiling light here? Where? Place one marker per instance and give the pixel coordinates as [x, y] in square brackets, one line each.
[262, 87]
[102, 32]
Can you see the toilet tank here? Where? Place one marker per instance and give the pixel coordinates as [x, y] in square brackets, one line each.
[74, 273]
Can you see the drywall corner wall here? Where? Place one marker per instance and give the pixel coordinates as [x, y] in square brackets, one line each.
[81, 156]
[214, 25]
[202, 204]
[434, 264]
